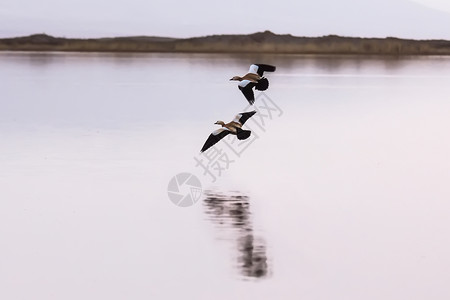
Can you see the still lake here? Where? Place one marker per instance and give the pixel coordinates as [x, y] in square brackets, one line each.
[343, 193]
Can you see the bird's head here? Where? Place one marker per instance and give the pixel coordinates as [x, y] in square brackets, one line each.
[220, 123]
[236, 78]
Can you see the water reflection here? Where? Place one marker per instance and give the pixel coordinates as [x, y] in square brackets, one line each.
[231, 214]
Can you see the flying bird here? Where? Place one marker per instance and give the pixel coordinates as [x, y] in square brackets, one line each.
[234, 127]
[254, 78]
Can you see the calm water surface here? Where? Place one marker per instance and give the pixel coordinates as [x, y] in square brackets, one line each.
[344, 193]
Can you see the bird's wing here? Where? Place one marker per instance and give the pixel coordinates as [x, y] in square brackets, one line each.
[261, 68]
[246, 87]
[253, 69]
[214, 138]
[243, 117]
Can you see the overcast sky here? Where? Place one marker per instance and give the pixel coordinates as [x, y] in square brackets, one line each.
[96, 18]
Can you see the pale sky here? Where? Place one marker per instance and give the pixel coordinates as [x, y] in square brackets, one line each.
[437, 4]
[421, 19]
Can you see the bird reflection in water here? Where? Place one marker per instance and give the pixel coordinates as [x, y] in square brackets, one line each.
[231, 214]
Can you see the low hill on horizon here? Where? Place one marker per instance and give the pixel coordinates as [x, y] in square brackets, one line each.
[259, 42]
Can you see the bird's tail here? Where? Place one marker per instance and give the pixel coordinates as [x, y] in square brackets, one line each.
[243, 134]
[262, 84]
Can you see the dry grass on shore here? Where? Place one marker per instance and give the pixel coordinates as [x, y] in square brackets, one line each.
[262, 42]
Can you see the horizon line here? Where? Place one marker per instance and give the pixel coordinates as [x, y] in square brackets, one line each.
[225, 34]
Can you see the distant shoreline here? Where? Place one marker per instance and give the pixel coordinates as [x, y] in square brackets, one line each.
[260, 42]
